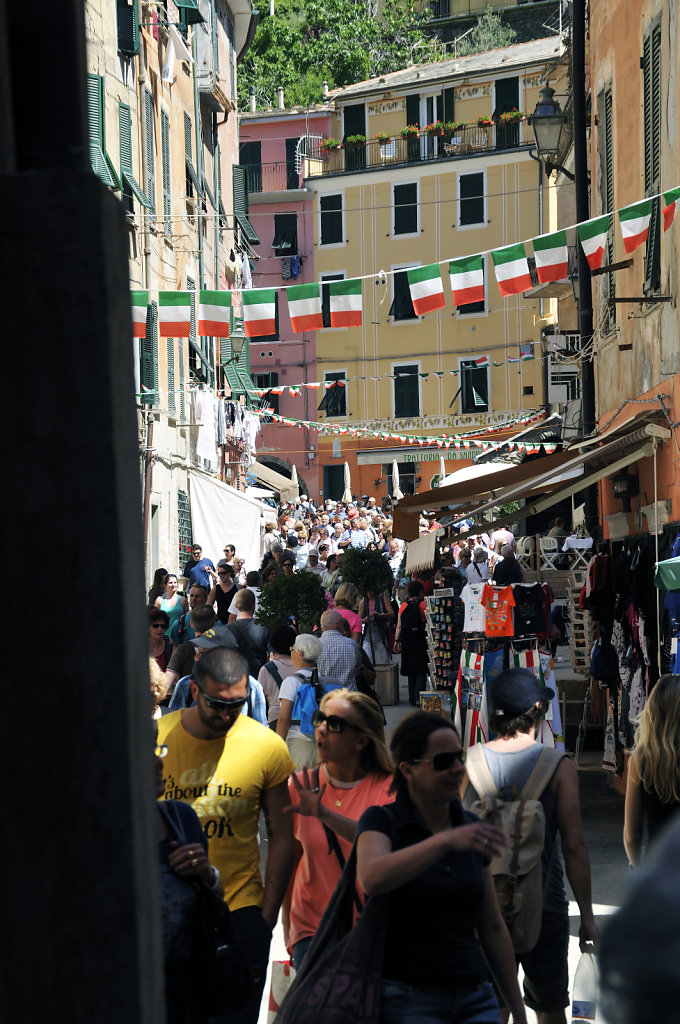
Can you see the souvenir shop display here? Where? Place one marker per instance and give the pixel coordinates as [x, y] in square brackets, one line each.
[444, 621]
[581, 624]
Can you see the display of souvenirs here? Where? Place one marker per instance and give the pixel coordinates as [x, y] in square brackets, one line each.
[443, 615]
[475, 612]
[499, 603]
[436, 701]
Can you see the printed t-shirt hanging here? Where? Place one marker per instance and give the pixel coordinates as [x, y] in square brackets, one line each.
[475, 613]
[499, 605]
[529, 610]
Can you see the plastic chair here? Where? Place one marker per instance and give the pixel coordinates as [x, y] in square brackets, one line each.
[524, 551]
[550, 553]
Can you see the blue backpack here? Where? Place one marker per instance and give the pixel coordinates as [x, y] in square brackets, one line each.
[308, 698]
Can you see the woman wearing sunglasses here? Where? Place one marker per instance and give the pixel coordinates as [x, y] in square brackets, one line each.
[224, 591]
[160, 647]
[432, 858]
[355, 773]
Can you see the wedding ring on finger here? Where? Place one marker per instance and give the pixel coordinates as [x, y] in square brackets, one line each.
[194, 863]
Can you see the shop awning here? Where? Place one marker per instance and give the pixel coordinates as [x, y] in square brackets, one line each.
[283, 485]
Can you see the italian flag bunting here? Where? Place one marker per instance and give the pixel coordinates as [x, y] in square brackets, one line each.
[140, 300]
[512, 269]
[345, 302]
[304, 306]
[634, 221]
[671, 203]
[174, 314]
[214, 309]
[467, 280]
[427, 290]
[259, 311]
[593, 235]
[550, 253]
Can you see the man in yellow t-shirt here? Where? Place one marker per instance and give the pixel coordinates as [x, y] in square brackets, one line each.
[228, 767]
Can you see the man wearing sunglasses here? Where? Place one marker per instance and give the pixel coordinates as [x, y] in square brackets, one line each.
[228, 768]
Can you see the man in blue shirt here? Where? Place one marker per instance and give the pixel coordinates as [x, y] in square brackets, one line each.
[199, 570]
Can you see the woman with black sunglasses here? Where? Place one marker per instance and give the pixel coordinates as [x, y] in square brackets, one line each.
[355, 773]
[433, 859]
[224, 591]
[160, 647]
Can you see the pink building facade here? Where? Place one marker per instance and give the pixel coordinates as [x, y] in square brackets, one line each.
[281, 210]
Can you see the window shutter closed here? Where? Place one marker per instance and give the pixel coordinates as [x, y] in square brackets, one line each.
[331, 219]
[165, 154]
[405, 209]
[240, 188]
[172, 405]
[406, 397]
[150, 153]
[651, 82]
[131, 188]
[128, 26]
[412, 109]
[149, 358]
[448, 104]
[609, 194]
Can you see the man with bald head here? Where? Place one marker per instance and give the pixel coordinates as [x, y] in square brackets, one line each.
[340, 658]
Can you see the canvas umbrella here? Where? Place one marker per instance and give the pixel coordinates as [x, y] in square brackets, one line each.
[294, 480]
[347, 494]
[396, 492]
[442, 469]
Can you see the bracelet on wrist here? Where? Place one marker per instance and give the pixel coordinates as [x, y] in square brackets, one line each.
[216, 879]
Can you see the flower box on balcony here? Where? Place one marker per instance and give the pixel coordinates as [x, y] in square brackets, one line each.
[355, 141]
[483, 121]
[383, 138]
[330, 145]
[510, 116]
[437, 128]
[411, 131]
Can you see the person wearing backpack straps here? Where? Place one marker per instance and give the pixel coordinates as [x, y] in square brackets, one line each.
[280, 666]
[510, 769]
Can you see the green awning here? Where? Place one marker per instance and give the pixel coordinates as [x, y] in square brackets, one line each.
[189, 12]
[667, 574]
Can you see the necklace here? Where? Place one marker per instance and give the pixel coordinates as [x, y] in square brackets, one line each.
[337, 784]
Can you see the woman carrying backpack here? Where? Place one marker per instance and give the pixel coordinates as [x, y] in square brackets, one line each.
[411, 639]
[304, 656]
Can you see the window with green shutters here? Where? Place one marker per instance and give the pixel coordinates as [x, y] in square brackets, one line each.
[334, 401]
[149, 151]
[128, 26]
[471, 196]
[184, 534]
[651, 85]
[608, 195]
[149, 358]
[240, 187]
[165, 157]
[448, 104]
[231, 36]
[402, 303]
[172, 404]
[330, 215]
[474, 387]
[413, 117]
[405, 199]
[101, 162]
[192, 183]
[406, 391]
[268, 380]
[181, 383]
[130, 187]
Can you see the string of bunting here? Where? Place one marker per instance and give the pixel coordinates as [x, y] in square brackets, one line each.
[345, 297]
[477, 438]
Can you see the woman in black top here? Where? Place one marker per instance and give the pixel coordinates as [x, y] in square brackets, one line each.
[433, 858]
[653, 786]
[224, 592]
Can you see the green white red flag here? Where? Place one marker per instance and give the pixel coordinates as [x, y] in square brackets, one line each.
[551, 255]
[345, 300]
[214, 309]
[259, 311]
[671, 204]
[467, 280]
[593, 235]
[304, 306]
[427, 290]
[174, 314]
[140, 301]
[634, 221]
[512, 269]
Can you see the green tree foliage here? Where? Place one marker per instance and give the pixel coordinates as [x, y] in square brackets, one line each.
[308, 42]
[300, 597]
[367, 570]
[490, 33]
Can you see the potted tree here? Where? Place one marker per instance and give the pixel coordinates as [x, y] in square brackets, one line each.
[300, 598]
[367, 570]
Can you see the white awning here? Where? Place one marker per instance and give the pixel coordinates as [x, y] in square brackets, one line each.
[283, 485]
[219, 515]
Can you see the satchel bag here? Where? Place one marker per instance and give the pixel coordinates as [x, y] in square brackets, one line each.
[340, 979]
[219, 970]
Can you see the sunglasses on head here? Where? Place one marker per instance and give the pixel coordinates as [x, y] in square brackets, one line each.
[218, 704]
[334, 723]
[442, 762]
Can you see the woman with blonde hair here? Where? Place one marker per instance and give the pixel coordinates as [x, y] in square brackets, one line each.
[346, 602]
[653, 787]
[355, 773]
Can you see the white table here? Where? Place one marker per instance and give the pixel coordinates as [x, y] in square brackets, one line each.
[582, 548]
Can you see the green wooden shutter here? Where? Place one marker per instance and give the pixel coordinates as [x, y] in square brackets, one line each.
[189, 13]
[474, 387]
[101, 164]
[651, 79]
[149, 358]
[131, 188]
[165, 156]
[192, 181]
[182, 382]
[128, 26]
[406, 397]
[406, 209]
[240, 187]
[150, 153]
[331, 219]
[402, 303]
[231, 36]
[471, 199]
[609, 195]
[413, 117]
[172, 405]
[184, 534]
[448, 104]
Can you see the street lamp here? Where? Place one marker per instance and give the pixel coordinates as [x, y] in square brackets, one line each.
[237, 338]
[547, 122]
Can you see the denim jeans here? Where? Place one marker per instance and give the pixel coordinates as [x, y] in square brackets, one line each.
[402, 1004]
[300, 951]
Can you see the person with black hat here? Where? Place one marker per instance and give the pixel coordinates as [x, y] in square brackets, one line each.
[517, 704]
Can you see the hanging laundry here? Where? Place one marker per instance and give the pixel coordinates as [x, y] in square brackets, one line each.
[206, 444]
[221, 423]
[246, 275]
[294, 266]
[286, 273]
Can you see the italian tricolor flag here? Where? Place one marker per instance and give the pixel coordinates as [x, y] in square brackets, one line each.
[259, 311]
[427, 290]
[174, 314]
[467, 280]
[512, 269]
[671, 204]
[345, 302]
[550, 253]
[213, 314]
[304, 306]
[634, 221]
[593, 235]
[140, 300]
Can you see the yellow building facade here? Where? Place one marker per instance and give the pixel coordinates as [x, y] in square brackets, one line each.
[392, 203]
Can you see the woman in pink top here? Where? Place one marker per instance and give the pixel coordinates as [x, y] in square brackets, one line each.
[346, 602]
[355, 773]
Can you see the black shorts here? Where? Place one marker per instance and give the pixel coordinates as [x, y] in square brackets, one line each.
[546, 968]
